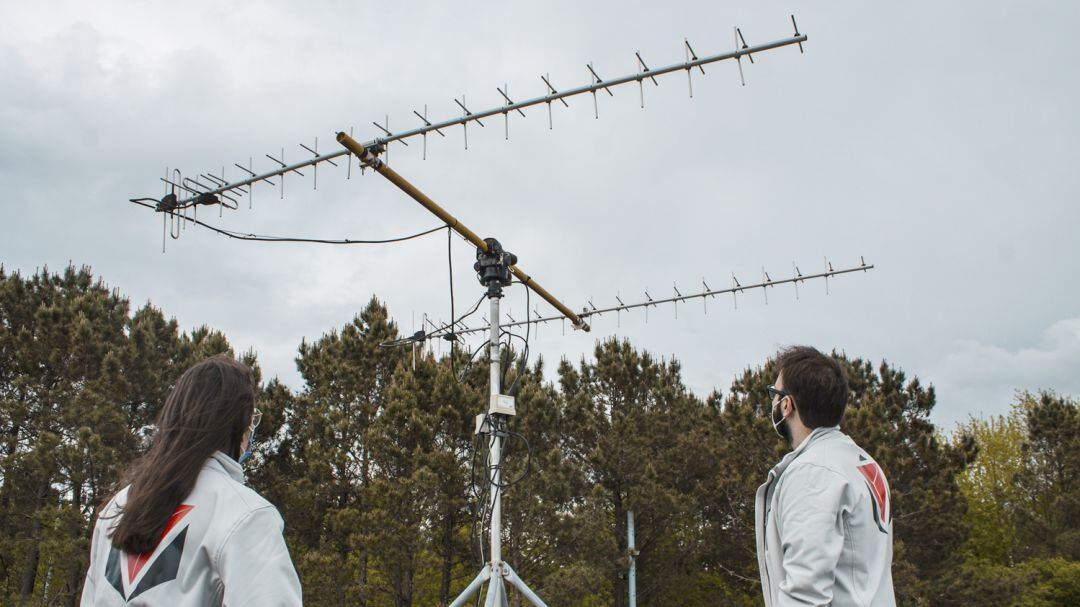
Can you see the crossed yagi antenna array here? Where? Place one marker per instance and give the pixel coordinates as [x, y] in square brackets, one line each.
[185, 194]
[496, 267]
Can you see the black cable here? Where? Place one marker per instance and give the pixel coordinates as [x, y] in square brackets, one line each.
[528, 461]
[448, 328]
[468, 365]
[450, 265]
[258, 238]
[525, 354]
[480, 509]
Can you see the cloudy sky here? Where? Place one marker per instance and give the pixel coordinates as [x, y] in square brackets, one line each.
[936, 139]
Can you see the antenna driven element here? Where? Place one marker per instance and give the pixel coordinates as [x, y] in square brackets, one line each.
[369, 157]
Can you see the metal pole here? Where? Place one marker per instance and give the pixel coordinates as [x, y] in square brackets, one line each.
[631, 577]
[483, 576]
[494, 462]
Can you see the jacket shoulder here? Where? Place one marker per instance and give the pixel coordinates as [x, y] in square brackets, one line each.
[232, 494]
[837, 452]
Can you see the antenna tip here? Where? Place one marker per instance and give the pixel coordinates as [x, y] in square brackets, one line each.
[341, 136]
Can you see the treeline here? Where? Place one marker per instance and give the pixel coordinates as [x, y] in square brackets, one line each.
[370, 465]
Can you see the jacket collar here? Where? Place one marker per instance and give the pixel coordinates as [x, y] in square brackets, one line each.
[816, 435]
[223, 463]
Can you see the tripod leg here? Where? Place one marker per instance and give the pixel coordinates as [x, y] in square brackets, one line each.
[494, 586]
[474, 586]
[522, 587]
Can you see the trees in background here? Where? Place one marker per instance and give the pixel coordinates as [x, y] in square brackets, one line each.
[1023, 506]
[371, 465]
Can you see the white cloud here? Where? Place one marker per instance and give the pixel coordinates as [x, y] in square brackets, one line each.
[987, 375]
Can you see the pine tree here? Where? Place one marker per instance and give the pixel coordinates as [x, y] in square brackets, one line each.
[347, 375]
[1048, 514]
[632, 427]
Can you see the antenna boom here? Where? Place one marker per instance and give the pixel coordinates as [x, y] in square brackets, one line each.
[799, 38]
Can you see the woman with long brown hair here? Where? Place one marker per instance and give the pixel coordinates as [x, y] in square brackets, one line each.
[186, 530]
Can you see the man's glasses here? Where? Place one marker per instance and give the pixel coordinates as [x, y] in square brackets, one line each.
[774, 392]
[256, 417]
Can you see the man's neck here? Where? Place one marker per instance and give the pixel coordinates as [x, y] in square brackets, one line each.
[799, 433]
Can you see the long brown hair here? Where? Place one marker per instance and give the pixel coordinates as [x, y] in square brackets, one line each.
[208, 410]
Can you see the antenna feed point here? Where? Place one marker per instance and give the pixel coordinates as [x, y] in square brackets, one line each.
[167, 203]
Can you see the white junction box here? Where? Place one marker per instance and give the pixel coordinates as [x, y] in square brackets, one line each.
[502, 405]
[481, 426]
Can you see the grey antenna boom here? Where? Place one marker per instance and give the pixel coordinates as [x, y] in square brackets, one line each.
[589, 311]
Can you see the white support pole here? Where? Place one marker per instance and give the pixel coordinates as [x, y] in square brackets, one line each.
[496, 573]
[494, 462]
[631, 577]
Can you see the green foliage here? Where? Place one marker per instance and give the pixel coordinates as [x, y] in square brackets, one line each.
[634, 429]
[1022, 506]
[989, 487]
[1048, 514]
[1051, 582]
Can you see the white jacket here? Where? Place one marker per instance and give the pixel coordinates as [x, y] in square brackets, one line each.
[222, 546]
[824, 526]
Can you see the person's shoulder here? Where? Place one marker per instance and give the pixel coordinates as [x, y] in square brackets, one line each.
[115, 505]
[833, 450]
[816, 469]
[232, 495]
[831, 454]
[837, 453]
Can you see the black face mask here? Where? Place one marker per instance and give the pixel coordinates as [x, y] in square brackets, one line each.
[780, 423]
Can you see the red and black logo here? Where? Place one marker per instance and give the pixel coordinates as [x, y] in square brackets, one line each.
[134, 574]
[879, 493]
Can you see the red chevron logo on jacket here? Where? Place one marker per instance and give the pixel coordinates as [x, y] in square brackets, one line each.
[879, 493]
[141, 572]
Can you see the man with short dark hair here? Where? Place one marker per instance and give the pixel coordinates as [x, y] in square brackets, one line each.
[823, 518]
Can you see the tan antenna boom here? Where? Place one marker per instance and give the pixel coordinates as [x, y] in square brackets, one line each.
[403, 184]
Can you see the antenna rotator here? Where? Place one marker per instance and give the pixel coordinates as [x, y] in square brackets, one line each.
[493, 265]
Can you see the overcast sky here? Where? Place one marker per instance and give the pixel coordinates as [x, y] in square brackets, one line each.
[936, 139]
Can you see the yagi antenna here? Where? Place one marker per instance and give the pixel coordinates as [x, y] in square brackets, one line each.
[590, 311]
[193, 194]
